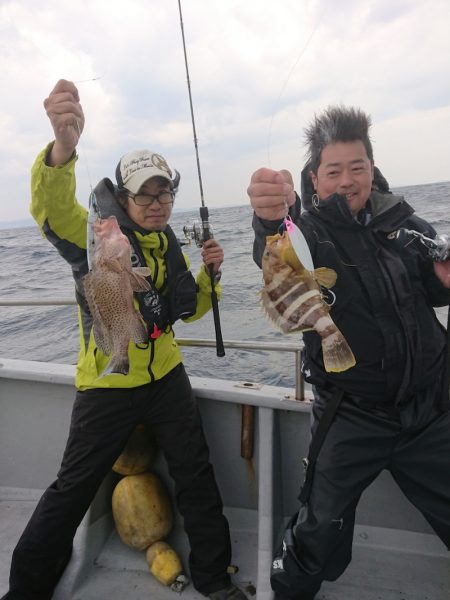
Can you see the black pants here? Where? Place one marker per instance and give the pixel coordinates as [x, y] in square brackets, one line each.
[102, 421]
[413, 443]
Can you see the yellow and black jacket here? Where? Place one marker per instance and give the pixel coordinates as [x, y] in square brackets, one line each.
[63, 221]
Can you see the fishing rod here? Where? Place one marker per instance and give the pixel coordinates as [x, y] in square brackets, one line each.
[437, 249]
[206, 232]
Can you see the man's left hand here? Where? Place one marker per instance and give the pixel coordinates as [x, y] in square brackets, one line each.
[212, 254]
[442, 271]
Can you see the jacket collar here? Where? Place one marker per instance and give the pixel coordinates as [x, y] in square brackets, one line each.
[105, 192]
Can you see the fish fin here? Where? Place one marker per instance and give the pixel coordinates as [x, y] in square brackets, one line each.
[116, 366]
[101, 336]
[87, 284]
[144, 271]
[113, 264]
[120, 365]
[137, 279]
[337, 355]
[325, 276]
[139, 333]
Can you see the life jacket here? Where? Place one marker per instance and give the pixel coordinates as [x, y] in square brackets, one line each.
[177, 299]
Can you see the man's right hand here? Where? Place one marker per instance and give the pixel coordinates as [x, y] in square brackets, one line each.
[66, 116]
[271, 193]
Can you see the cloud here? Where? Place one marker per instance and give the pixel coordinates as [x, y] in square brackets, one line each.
[258, 69]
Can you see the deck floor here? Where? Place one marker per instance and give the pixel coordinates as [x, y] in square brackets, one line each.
[376, 572]
[120, 568]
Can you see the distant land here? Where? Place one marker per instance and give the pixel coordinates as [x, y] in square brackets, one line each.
[16, 224]
[30, 222]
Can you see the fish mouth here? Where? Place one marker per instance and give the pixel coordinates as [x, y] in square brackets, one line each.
[100, 225]
[288, 254]
[280, 245]
[290, 257]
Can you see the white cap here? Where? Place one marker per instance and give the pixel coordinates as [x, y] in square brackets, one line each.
[136, 167]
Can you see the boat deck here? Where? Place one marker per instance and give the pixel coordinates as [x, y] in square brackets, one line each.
[378, 570]
[396, 556]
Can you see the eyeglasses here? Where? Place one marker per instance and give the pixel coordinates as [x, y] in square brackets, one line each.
[148, 199]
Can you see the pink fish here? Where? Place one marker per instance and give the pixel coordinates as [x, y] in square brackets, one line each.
[109, 288]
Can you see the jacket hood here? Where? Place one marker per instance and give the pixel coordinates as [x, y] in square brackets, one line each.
[306, 187]
[105, 193]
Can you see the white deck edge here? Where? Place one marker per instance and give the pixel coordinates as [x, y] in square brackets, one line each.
[240, 392]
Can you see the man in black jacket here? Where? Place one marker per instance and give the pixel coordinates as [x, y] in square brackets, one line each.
[389, 416]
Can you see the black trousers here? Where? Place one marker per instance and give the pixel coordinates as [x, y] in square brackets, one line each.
[412, 442]
[102, 421]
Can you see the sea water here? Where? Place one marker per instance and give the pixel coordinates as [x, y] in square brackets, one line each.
[30, 267]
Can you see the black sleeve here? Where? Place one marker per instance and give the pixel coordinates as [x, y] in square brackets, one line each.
[263, 228]
[437, 294]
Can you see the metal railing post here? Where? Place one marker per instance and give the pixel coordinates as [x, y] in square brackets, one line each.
[265, 503]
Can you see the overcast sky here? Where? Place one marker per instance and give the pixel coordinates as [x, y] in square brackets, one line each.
[259, 70]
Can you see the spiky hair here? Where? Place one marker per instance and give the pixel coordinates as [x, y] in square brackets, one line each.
[337, 124]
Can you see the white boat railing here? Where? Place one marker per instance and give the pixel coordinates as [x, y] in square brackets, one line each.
[296, 349]
[37, 302]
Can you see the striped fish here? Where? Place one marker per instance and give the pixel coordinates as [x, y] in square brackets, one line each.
[292, 300]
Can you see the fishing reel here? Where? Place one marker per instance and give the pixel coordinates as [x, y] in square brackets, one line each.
[199, 232]
[437, 249]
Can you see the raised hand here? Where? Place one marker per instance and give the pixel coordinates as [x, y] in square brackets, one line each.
[271, 193]
[66, 116]
[442, 271]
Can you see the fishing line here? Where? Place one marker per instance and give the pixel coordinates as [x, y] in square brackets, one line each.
[191, 106]
[83, 157]
[333, 245]
[283, 87]
[87, 80]
[81, 151]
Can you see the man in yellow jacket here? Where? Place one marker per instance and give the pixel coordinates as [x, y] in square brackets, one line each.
[156, 390]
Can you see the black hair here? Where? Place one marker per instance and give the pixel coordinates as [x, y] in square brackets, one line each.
[337, 124]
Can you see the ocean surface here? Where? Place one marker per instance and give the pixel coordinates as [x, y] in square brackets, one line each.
[31, 268]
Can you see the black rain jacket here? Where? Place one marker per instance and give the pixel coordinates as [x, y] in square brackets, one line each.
[384, 295]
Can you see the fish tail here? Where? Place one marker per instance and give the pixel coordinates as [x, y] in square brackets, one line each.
[139, 333]
[337, 355]
[118, 365]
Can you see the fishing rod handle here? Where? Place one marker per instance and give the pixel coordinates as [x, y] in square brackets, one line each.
[220, 350]
[207, 235]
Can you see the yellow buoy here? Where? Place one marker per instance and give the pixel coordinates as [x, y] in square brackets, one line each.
[163, 562]
[142, 510]
[139, 453]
